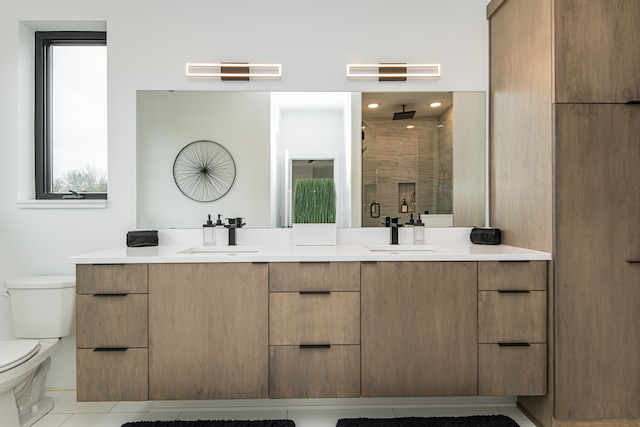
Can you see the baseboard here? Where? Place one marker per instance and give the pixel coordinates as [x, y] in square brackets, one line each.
[173, 405]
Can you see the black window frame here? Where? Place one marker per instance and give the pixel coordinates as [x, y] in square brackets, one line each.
[43, 158]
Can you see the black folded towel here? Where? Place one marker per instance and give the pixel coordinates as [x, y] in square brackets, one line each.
[486, 236]
[142, 238]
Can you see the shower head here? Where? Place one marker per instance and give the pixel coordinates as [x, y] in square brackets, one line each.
[404, 114]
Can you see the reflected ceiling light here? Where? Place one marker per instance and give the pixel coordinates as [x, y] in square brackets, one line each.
[392, 71]
[234, 70]
[410, 126]
[435, 104]
[373, 105]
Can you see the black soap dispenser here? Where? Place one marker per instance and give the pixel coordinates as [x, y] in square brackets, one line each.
[209, 233]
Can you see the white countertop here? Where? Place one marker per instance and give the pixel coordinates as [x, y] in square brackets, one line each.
[443, 245]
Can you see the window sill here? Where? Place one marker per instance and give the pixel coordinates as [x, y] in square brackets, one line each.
[63, 204]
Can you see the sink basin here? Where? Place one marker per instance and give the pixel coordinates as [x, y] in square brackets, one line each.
[222, 250]
[405, 248]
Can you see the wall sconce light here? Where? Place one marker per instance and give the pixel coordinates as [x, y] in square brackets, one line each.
[393, 71]
[234, 70]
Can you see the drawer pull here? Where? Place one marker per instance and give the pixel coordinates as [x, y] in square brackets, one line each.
[315, 292]
[306, 346]
[633, 102]
[314, 262]
[634, 261]
[514, 344]
[110, 295]
[513, 291]
[110, 349]
[514, 260]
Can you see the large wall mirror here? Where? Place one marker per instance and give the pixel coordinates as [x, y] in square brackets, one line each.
[384, 162]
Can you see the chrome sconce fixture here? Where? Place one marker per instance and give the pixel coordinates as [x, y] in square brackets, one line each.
[393, 71]
[234, 70]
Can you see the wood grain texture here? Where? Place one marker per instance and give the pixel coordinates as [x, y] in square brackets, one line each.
[112, 376]
[314, 372]
[314, 319]
[208, 331]
[122, 278]
[597, 51]
[112, 321]
[509, 371]
[520, 124]
[419, 329]
[597, 292]
[301, 276]
[494, 275]
[512, 317]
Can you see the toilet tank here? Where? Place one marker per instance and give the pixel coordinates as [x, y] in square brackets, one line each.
[42, 306]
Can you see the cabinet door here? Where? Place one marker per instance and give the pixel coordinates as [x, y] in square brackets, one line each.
[597, 289]
[314, 276]
[331, 371]
[111, 278]
[208, 331]
[419, 329]
[111, 320]
[597, 50]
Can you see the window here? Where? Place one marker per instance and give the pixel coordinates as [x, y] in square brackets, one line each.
[71, 114]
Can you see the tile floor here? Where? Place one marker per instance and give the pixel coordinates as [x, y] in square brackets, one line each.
[69, 413]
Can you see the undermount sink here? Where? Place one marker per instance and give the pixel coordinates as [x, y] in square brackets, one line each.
[405, 248]
[222, 250]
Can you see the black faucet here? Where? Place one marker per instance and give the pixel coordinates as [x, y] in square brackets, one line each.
[234, 223]
[392, 222]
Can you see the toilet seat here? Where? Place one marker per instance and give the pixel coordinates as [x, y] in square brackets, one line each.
[15, 352]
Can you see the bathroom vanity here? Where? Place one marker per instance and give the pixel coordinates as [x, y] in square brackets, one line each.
[168, 323]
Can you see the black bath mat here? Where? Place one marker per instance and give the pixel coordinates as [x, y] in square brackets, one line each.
[473, 421]
[212, 423]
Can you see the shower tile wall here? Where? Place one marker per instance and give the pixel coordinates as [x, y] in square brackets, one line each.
[395, 155]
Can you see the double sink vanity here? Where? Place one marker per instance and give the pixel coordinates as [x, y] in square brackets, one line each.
[359, 319]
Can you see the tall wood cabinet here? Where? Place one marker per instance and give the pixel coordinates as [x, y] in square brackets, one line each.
[565, 173]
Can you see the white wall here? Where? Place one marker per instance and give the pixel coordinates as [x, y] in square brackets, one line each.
[149, 41]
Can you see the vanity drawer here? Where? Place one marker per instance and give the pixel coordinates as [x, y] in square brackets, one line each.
[512, 316]
[314, 318]
[112, 278]
[505, 275]
[514, 370]
[314, 276]
[115, 375]
[314, 372]
[112, 320]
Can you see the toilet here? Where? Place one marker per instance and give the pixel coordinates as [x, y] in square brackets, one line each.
[43, 311]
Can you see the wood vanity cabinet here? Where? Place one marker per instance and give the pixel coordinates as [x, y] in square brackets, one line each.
[419, 329]
[314, 330]
[512, 328]
[208, 331]
[111, 332]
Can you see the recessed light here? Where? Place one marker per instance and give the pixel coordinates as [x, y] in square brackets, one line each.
[435, 104]
[373, 105]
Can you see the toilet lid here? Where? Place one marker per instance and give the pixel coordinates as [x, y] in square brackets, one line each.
[15, 352]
